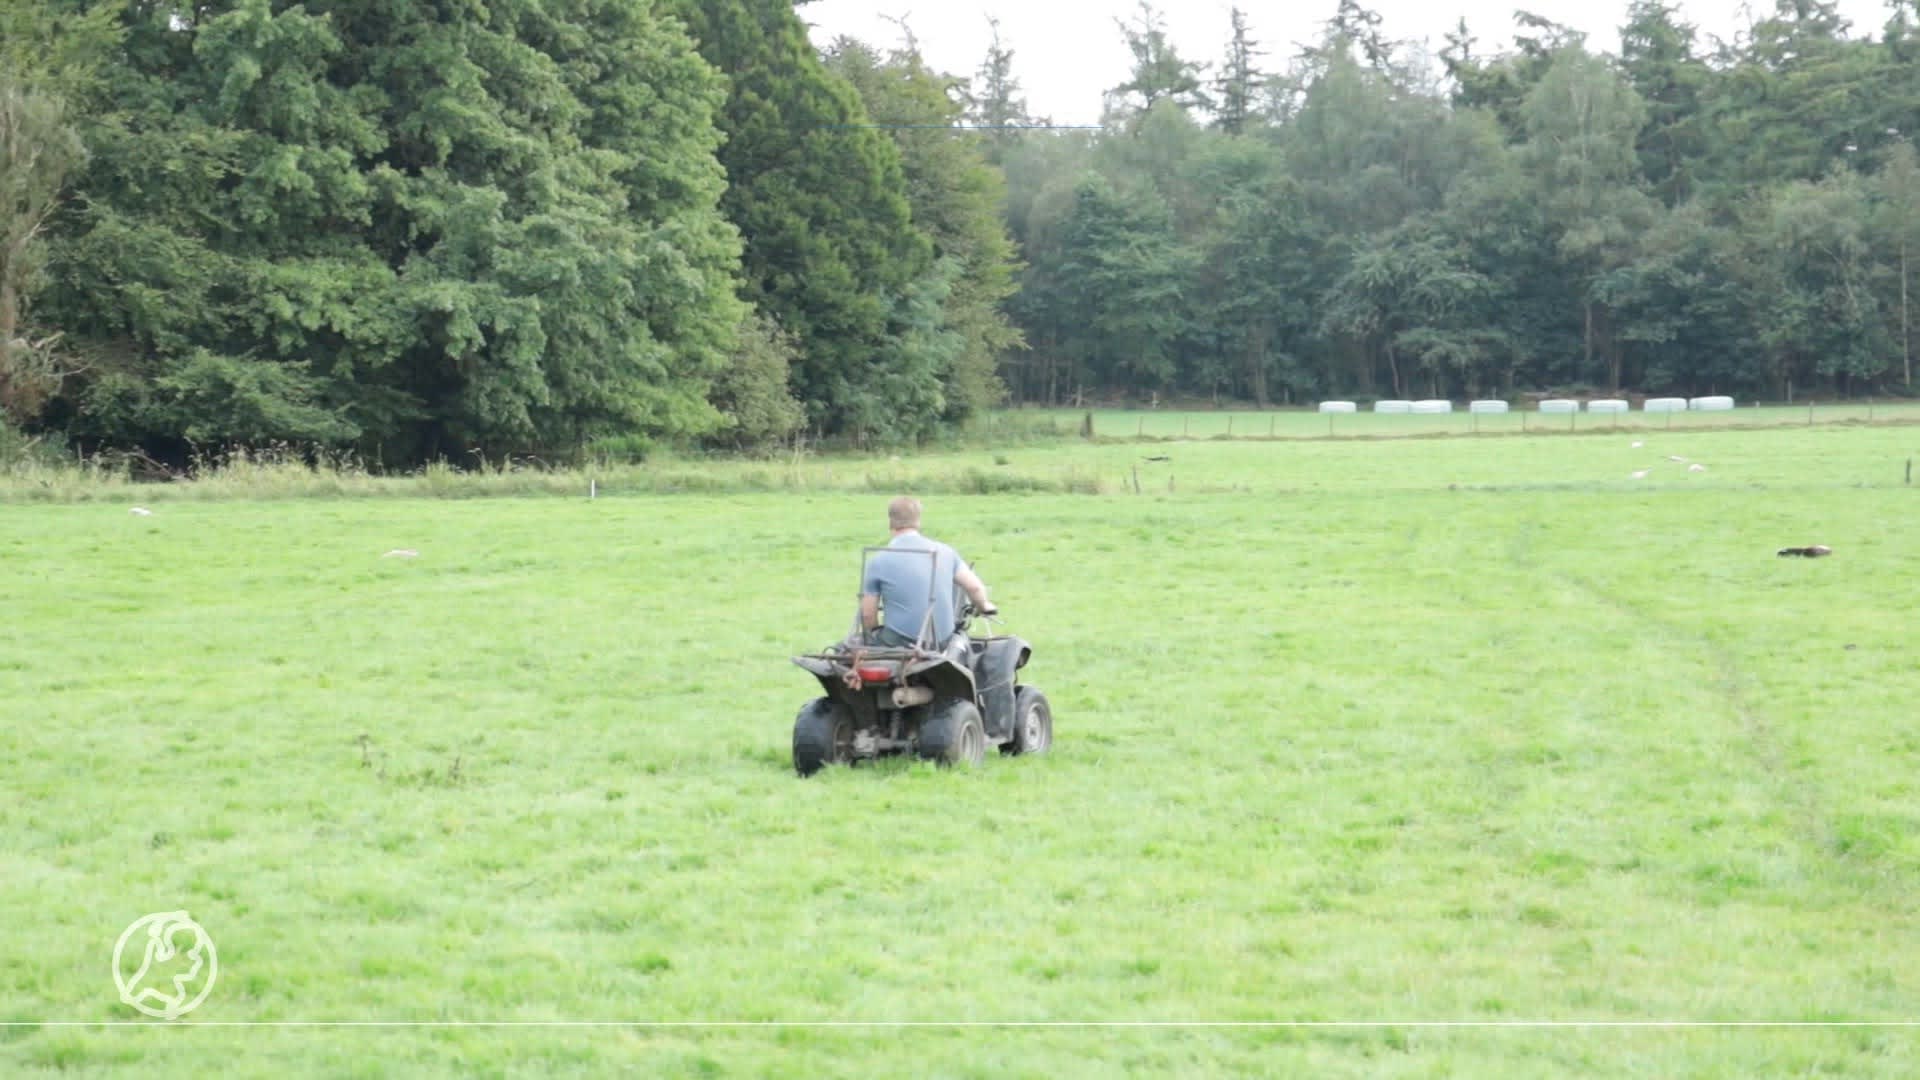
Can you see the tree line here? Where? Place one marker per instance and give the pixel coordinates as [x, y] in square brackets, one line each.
[1369, 218]
[420, 231]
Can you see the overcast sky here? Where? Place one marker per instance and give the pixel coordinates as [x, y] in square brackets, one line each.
[1066, 52]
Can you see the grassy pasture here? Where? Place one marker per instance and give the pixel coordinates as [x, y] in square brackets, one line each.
[1306, 423]
[1397, 730]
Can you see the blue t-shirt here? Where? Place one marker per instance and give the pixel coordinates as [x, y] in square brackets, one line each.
[902, 577]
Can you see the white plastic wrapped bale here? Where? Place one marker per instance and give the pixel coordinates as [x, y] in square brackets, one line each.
[1606, 405]
[1710, 404]
[1487, 406]
[1432, 407]
[1559, 405]
[1665, 404]
[1338, 407]
[1393, 406]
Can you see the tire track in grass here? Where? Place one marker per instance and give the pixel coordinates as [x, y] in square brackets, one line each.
[1685, 828]
[1760, 731]
[1807, 806]
[1520, 552]
[1659, 848]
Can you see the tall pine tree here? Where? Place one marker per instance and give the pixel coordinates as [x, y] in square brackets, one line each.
[819, 197]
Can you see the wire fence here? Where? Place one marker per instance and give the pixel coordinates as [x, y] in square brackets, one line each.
[1307, 423]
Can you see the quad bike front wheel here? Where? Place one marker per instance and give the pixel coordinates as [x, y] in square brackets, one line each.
[952, 733]
[1032, 723]
[822, 736]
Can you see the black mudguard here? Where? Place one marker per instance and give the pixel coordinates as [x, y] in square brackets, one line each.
[993, 673]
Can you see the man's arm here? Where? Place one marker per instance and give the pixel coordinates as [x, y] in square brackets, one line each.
[870, 586]
[975, 588]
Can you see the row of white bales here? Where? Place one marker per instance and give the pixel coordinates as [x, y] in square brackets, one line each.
[1550, 405]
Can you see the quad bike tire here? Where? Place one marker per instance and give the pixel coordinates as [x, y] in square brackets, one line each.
[952, 734]
[822, 736]
[1032, 723]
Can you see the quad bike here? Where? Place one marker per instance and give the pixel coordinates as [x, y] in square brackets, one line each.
[945, 701]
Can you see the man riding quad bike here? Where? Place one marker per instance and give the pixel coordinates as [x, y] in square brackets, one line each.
[919, 681]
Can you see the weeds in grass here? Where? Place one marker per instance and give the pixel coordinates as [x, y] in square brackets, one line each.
[374, 760]
[252, 476]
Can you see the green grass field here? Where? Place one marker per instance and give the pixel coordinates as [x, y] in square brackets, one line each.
[1348, 731]
[1306, 423]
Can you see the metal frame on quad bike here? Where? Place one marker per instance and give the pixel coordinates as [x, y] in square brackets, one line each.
[946, 701]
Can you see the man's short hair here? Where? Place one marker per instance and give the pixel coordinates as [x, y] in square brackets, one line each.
[904, 513]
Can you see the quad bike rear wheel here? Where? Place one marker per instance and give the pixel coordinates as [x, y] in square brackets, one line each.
[1032, 723]
[822, 736]
[952, 733]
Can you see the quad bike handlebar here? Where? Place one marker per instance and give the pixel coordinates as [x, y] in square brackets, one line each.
[968, 612]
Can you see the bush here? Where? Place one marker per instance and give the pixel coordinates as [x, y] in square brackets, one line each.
[45, 451]
[13, 445]
[620, 449]
[753, 392]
